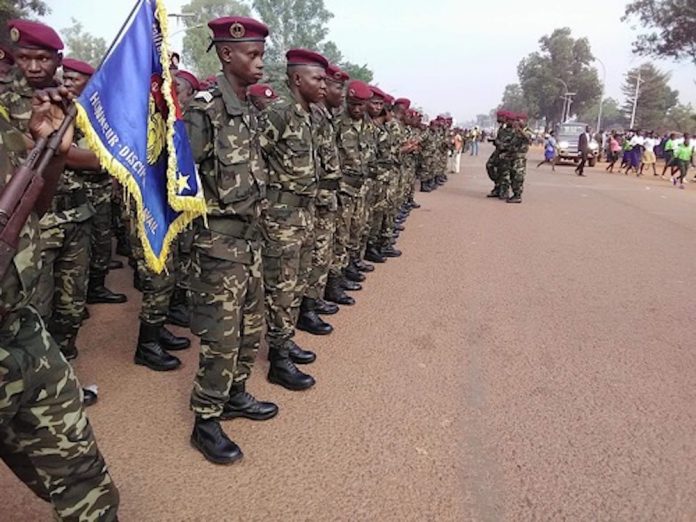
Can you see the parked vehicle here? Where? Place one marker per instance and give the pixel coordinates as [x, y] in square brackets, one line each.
[567, 135]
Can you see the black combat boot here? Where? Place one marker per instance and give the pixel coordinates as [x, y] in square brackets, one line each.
[97, 293]
[172, 342]
[335, 293]
[149, 351]
[88, 397]
[213, 443]
[309, 321]
[425, 186]
[137, 283]
[363, 266]
[493, 193]
[179, 313]
[503, 193]
[399, 228]
[115, 264]
[325, 308]
[390, 251]
[412, 203]
[373, 255]
[352, 273]
[515, 198]
[67, 346]
[284, 372]
[123, 247]
[244, 404]
[349, 285]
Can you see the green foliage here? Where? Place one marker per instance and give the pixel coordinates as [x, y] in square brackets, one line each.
[10, 9]
[565, 58]
[613, 116]
[82, 45]
[672, 26]
[513, 99]
[681, 118]
[655, 97]
[197, 38]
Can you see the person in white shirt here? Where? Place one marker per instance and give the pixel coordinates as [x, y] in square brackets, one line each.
[648, 158]
[635, 153]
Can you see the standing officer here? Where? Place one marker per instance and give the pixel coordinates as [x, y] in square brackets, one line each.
[329, 174]
[226, 281]
[45, 436]
[289, 143]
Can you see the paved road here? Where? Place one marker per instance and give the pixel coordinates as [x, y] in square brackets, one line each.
[519, 362]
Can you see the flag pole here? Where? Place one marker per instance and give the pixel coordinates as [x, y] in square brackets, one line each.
[120, 32]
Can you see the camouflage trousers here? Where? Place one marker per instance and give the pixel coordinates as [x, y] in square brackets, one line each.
[157, 288]
[323, 252]
[505, 168]
[363, 219]
[492, 167]
[119, 216]
[347, 205]
[61, 291]
[184, 243]
[45, 437]
[227, 313]
[382, 219]
[287, 263]
[517, 174]
[100, 239]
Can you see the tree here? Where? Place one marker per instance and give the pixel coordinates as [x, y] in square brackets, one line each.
[10, 9]
[672, 24]
[681, 118]
[542, 75]
[82, 45]
[655, 97]
[612, 115]
[197, 37]
[513, 99]
[300, 23]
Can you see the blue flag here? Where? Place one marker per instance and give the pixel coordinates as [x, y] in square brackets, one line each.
[132, 121]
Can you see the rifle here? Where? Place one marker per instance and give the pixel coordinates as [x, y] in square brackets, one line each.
[18, 197]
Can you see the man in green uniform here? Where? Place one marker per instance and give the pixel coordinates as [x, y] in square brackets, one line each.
[45, 437]
[326, 206]
[494, 165]
[227, 311]
[289, 142]
[521, 141]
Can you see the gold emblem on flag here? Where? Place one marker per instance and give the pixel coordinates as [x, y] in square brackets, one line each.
[237, 30]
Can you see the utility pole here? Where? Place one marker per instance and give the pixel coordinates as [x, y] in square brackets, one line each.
[601, 97]
[635, 100]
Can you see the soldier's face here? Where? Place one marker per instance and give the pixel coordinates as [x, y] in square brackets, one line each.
[375, 107]
[244, 60]
[334, 94]
[356, 110]
[75, 82]
[184, 92]
[311, 83]
[38, 66]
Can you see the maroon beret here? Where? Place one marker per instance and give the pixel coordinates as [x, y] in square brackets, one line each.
[6, 55]
[403, 102]
[334, 74]
[189, 78]
[389, 100]
[238, 29]
[306, 57]
[377, 92]
[78, 66]
[25, 33]
[358, 90]
[262, 90]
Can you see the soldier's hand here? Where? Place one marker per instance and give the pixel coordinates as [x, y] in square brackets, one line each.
[48, 112]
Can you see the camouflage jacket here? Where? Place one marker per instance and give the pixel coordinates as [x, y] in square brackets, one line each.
[223, 134]
[289, 142]
[384, 163]
[329, 168]
[69, 205]
[397, 132]
[371, 135]
[504, 142]
[20, 280]
[351, 154]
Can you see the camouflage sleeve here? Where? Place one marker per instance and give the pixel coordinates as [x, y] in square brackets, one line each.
[200, 133]
[271, 127]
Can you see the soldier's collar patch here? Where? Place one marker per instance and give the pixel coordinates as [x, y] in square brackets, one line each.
[14, 34]
[237, 30]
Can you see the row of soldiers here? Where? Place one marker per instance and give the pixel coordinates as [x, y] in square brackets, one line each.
[304, 193]
[507, 165]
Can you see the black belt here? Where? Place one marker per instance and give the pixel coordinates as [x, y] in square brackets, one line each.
[353, 181]
[231, 226]
[329, 184]
[289, 198]
[63, 202]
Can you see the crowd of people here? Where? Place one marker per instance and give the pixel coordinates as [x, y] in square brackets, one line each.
[304, 193]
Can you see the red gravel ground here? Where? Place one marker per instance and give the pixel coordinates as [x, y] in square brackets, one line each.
[519, 362]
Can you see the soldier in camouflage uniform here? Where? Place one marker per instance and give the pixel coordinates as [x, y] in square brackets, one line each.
[289, 141]
[45, 437]
[97, 185]
[350, 142]
[226, 282]
[326, 207]
[7, 69]
[65, 228]
[428, 159]
[495, 164]
[520, 143]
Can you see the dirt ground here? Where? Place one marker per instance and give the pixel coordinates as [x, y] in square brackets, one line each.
[519, 362]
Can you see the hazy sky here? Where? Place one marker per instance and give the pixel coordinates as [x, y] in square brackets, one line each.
[451, 55]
